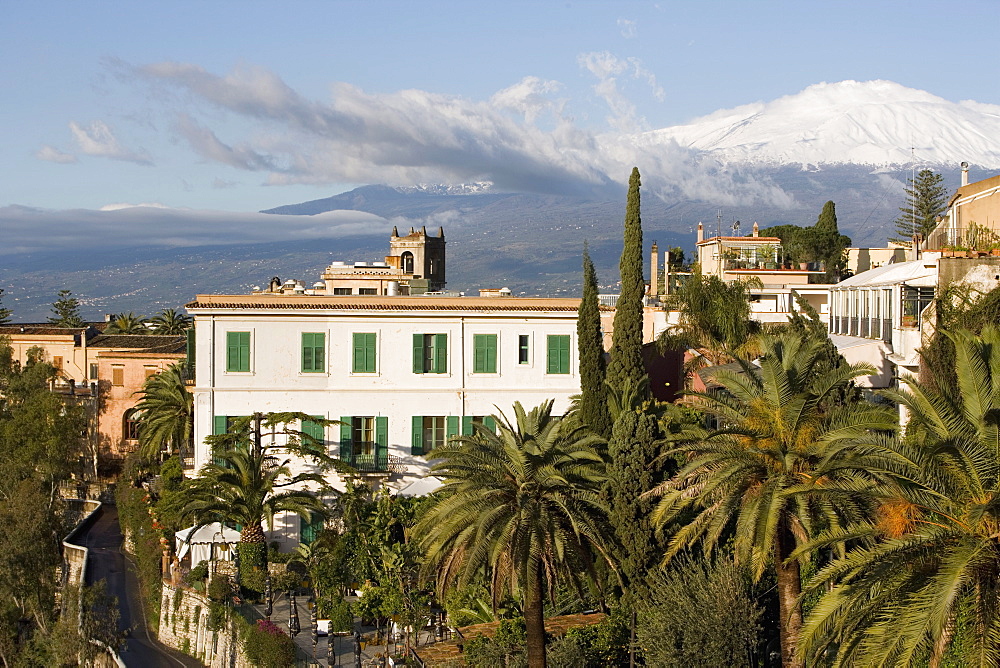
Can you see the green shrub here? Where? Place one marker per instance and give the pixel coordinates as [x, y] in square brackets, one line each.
[220, 594]
[699, 612]
[604, 643]
[198, 573]
[133, 516]
[253, 568]
[338, 611]
[506, 648]
[267, 646]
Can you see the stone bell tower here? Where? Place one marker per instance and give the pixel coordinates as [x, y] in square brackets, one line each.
[420, 255]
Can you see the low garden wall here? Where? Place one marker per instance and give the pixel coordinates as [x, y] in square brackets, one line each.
[184, 625]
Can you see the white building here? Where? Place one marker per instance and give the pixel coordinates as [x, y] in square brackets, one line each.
[403, 373]
[884, 316]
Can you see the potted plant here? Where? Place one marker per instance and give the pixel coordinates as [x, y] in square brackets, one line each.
[909, 321]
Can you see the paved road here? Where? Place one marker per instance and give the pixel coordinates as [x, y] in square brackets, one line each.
[108, 561]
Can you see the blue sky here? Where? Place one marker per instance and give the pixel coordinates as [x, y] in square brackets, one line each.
[241, 106]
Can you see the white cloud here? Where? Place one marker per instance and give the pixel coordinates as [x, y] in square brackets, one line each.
[416, 136]
[52, 154]
[98, 139]
[204, 142]
[627, 27]
[29, 229]
[528, 98]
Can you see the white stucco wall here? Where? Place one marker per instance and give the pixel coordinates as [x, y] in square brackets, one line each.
[276, 383]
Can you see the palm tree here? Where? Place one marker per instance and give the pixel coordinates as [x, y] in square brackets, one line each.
[127, 323]
[714, 317]
[166, 413]
[520, 505]
[783, 464]
[169, 321]
[248, 482]
[927, 574]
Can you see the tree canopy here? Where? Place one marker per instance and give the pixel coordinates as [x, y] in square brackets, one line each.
[66, 311]
[926, 198]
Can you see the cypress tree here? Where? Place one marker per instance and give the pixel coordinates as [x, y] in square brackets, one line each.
[830, 243]
[626, 366]
[631, 452]
[590, 342]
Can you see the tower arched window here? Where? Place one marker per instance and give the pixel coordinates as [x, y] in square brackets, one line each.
[130, 425]
[407, 262]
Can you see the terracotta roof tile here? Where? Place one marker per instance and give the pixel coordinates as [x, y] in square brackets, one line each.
[399, 303]
[147, 342]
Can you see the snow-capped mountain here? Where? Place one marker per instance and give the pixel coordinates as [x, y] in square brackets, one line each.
[858, 122]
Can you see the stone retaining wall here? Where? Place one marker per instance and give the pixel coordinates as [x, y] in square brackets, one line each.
[184, 626]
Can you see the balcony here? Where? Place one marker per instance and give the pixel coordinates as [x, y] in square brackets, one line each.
[371, 458]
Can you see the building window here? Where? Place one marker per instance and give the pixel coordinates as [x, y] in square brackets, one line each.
[118, 375]
[406, 262]
[430, 353]
[313, 352]
[484, 359]
[367, 291]
[363, 434]
[341, 291]
[558, 353]
[364, 352]
[469, 422]
[364, 442]
[237, 351]
[57, 362]
[130, 426]
[150, 371]
[431, 431]
[310, 528]
[523, 348]
[93, 372]
[915, 300]
[315, 429]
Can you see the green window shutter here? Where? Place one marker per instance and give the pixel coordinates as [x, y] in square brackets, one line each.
[418, 353]
[314, 429]
[237, 351]
[417, 436]
[346, 437]
[307, 352]
[313, 352]
[370, 361]
[190, 352]
[490, 423]
[484, 353]
[467, 429]
[382, 431]
[364, 353]
[310, 528]
[440, 353]
[451, 426]
[219, 424]
[558, 353]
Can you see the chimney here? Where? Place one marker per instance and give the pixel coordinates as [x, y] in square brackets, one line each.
[701, 231]
[756, 229]
[965, 173]
[654, 266]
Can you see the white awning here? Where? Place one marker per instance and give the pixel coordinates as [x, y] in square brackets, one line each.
[421, 487]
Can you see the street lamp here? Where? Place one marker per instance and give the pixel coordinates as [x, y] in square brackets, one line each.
[293, 618]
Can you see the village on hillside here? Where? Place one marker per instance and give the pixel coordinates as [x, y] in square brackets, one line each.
[787, 438]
